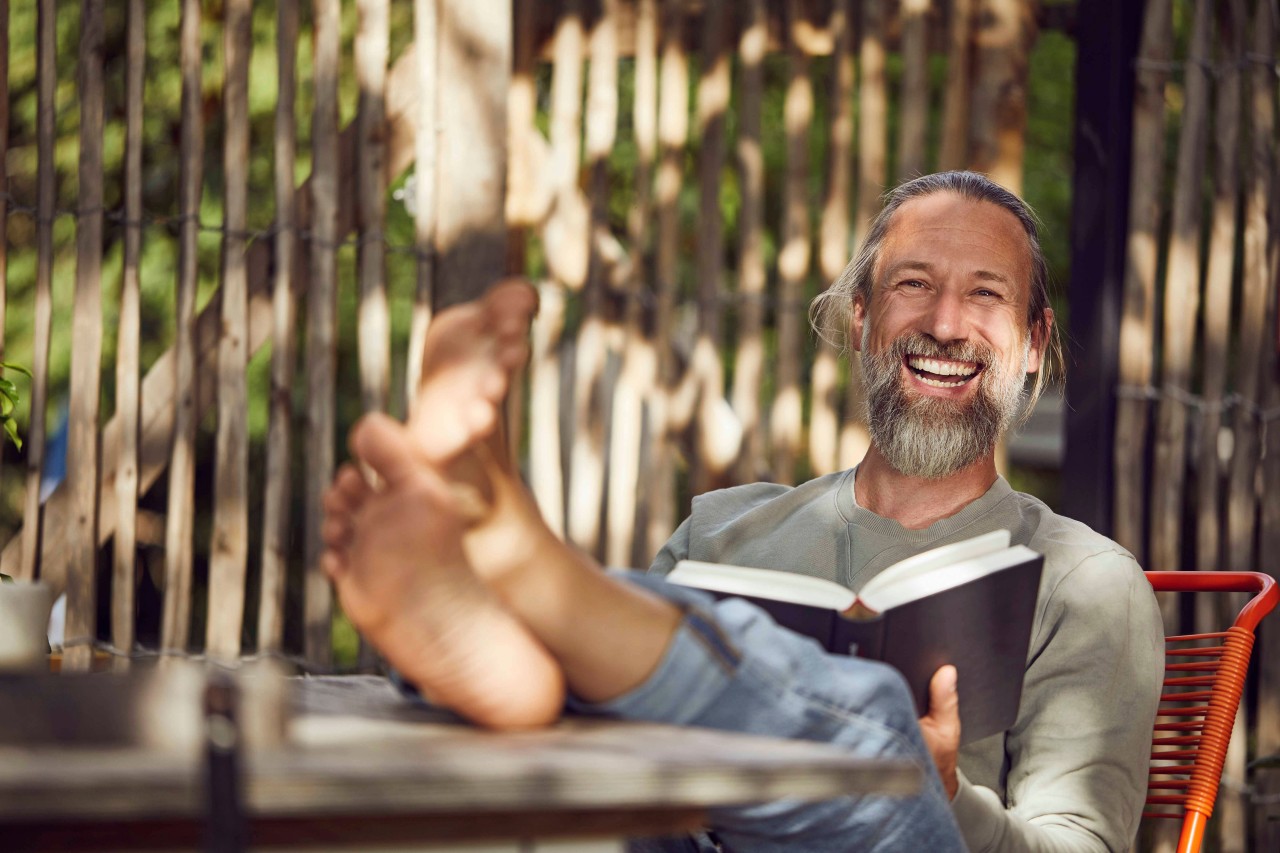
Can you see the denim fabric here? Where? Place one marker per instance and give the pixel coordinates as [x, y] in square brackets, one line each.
[730, 667]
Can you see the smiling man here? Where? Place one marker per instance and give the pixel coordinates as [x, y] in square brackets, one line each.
[947, 302]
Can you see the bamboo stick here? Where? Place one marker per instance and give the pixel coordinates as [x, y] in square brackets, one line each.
[873, 174]
[567, 232]
[1242, 503]
[1217, 288]
[86, 355]
[46, 84]
[176, 618]
[524, 178]
[278, 494]
[1137, 322]
[4, 177]
[159, 386]
[128, 369]
[321, 324]
[714, 449]
[913, 124]
[374, 322]
[998, 121]
[1181, 302]
[785, 428]
[636, 373]
[545, 473]
[748, 374]
[586, 497]
[228, 552]
[426, 36]
[953, 152]
[673, 131]
[833, 251]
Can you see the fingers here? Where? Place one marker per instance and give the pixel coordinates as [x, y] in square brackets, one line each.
[386, 448]
[941, 726]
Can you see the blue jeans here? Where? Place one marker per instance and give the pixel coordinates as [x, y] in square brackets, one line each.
[730, 667]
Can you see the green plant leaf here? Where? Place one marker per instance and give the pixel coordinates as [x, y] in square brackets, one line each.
[7, 365]
[11, 427]
[6, 406]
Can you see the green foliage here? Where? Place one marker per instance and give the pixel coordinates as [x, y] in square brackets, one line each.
[9, 398]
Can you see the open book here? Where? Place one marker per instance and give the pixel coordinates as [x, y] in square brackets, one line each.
[970, 603]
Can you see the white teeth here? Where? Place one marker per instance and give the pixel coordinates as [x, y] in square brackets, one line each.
[941, 368]
[938, 383]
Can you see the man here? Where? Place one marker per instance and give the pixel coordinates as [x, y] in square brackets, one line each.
[947, 302]
[447, 568]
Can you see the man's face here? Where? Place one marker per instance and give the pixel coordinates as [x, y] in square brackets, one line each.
[944, 339]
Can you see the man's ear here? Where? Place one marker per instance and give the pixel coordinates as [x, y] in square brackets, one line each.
[856, 323]
[1040, 334]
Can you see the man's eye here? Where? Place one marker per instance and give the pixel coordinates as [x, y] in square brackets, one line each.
[912, 282]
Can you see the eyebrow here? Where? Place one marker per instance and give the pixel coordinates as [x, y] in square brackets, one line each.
[927, 267]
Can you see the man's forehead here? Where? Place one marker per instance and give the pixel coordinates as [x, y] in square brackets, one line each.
[911, 237]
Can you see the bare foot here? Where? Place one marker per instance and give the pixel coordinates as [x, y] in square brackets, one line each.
[395, 557]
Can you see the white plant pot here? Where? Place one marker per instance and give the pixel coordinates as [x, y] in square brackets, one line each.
[24, 625]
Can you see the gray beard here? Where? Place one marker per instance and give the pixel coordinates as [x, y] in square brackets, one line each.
[929, 437]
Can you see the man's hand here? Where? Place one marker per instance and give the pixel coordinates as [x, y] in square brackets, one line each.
[941, 726]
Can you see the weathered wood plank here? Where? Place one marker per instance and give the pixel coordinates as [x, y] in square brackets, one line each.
[673, 132]
[785, 426]
[278, 490]
[321, 324]
[176, 616]
[1137, 323]
[953, 151]
[1181, 303]
[426, 36]
[748, 373]
[374, 320]
[1259, 279]
[998, 120]
[636, 374]
[86, 355]
[229, 550]
[913, 125]
[46, 84]
[586, 461]
[833, 239]
[128, 344]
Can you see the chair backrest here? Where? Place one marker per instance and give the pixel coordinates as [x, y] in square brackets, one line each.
[1204, 679]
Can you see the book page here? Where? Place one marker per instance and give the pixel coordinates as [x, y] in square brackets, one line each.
[943, 577]
[936, 558]
[761, 583]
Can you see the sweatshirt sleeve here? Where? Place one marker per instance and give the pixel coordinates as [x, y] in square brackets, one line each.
[1078, 754]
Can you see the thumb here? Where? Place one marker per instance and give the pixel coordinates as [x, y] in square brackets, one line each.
[944, 699]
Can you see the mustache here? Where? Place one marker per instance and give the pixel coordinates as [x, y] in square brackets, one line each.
[920, 343]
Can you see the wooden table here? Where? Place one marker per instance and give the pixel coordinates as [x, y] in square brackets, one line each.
[362, 766]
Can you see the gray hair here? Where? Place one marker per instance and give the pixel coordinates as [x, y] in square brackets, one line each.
[831, 311]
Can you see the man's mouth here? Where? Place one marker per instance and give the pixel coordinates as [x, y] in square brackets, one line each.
[942, 373]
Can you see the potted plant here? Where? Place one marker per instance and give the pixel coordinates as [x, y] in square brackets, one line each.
[24, 607]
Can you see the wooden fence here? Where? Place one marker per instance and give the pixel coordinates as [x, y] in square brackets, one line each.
[1197, 454]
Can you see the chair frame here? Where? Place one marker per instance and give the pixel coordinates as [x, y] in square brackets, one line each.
[1200, 698]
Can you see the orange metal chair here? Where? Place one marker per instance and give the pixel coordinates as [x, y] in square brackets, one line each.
[1204, 679]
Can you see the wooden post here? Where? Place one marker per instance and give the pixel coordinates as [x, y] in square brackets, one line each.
[475, 71]
[714, 449]
[176, 621]
[228, 552]
[1006, 31]
[1137, 321]
[86, 355]
[1181, 302]
[673, 131]
[128, 369]
[748, 372]
[954, 150]
[426, 35]
[46, 85]
[913, 126]
[586, 497]
[4, 176]
[833, 238]
[1232, 25]
[374, 329]
[793, 256]
[278, 493]
[321, 326]
[636, 374]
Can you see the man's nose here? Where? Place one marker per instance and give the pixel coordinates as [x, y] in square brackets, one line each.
[946, 319]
